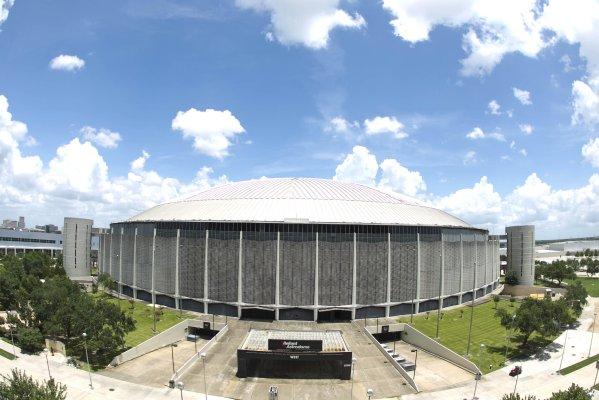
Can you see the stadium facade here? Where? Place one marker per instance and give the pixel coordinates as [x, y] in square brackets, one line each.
[300, 249]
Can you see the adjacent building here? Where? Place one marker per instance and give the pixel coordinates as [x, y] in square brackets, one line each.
[77, 247]
[19, 242]
[521, 253]
[302, 248]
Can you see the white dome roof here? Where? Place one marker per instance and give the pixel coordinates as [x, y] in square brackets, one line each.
[299, 200]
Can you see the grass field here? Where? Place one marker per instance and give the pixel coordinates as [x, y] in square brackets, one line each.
[591, 285]
[7, 354]
[486, 330]
[142, 314]
[579, 365]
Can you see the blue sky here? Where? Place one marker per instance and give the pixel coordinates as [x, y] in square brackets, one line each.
[393, 94]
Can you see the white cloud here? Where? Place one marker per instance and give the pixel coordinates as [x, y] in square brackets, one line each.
[139, 163]
[469, 158]
[359, 166]
[478, 133]
[341, 125]
[308, 23]
[567, 61]
[211, 130]
[66, 62]
[77, 182]
[5, 6]
[398, 178]
[494, 107]
[379, 125]
[102, 137]
[494, 28]
[585, 103]
[590, 152]
[526, 128]
[523, 152]
[523, 96]
[510, 113]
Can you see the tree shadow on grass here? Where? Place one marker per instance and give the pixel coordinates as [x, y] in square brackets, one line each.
[537, 348]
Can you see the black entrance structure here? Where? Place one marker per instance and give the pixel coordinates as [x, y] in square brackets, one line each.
[294, 354]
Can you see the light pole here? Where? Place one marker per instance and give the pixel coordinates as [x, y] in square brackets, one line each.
[592, 334]
[477, 378]
[354, 360]
[180, 386]
[48, 364]
[369, 393]
[12, 339]
[89, 371]
[173, 345]
[563, 351]
[415, 361]
[154, 313]
[203, 357]
[516, 384]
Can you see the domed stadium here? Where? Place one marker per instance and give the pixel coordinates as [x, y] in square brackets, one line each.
[300, 249]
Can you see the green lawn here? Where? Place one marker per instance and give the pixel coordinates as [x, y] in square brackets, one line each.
[142, 314]
[591, 285]
[486, 330]
[579, 365]
[7, 354]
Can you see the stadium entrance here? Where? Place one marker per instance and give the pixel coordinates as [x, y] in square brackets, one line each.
[294, 354]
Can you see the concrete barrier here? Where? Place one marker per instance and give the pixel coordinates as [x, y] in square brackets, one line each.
[187, 364]
[416, 338]
[392, 361]
[171, 335]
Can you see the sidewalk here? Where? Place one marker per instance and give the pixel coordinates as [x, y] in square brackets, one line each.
[77, 381]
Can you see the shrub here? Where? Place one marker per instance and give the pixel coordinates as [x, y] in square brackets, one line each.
[30, 340]
[20, 386]
[511, 278]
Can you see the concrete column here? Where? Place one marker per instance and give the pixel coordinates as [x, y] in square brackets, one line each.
[240, 276]
[135, 264]
[153, 263]
[109, 252]
[316, 282]
[206, 273]
[442, 280]
[475, 267]
[461, 268]
[120, 282]
[417, 300]
[486, 262]
[388, 274]
[177, 298]
[354, 274]
[278, 277]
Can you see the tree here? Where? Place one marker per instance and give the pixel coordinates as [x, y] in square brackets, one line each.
[511, 278]
[30, 340]
[20, 386]
[574, 392]
[559, 271]
[107, 282]
[577, 296]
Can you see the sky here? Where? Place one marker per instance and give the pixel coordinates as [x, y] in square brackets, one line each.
[486, 109]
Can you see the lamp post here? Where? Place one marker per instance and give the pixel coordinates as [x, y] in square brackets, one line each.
[563, 351]
[203, 357]
[592, 334]
[354, 360]
[173, 345]
[477, 377]
[91, 385]
[48, 364]
[180, 386]
[12, 339]
[370, 393]
[415, 361]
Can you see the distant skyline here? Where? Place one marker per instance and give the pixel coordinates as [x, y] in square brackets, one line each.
[488, 110]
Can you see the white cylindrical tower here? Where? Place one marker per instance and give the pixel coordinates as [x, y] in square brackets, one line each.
[77, 246]
[521, 252]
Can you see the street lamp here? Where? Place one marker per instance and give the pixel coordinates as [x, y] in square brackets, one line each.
[12, 339]
[354, 360]
[369, 393]
[482, 348]
[180, 386]
[415, 361]
[592, 334]
[47, 363]
[87, 359]
[477, 377]
[173, 345]
[203, 357]
[563, 351]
